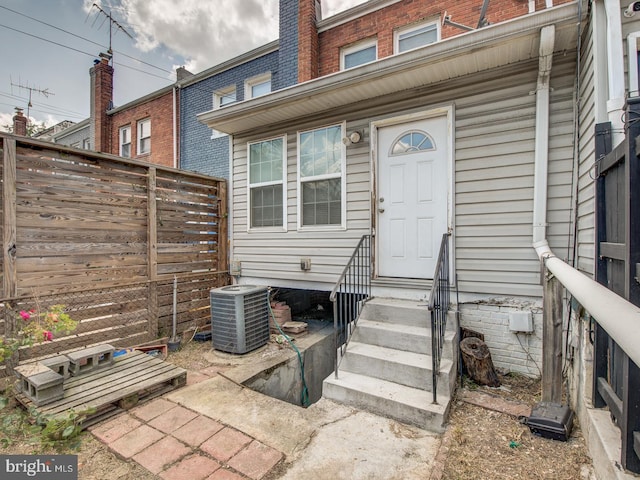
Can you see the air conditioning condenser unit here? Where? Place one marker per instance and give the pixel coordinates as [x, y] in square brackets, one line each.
[239, 318]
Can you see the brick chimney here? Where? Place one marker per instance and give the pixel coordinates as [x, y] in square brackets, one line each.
[309, 13]
[101, 101]
[19, 123]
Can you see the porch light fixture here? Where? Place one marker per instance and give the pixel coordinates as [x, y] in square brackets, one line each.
[353, 137]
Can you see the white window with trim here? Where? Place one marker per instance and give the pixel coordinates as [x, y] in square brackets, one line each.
[358, 54]
[321, 179]
[125, 141]
[144, 136]
[416, 36]
[257, 86]
[266, 184]
[86, 144]
[224, 96]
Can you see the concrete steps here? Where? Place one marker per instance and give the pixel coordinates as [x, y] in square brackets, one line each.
[387, 368]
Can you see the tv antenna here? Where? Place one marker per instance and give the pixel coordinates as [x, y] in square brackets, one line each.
[112, 23]
[31, 90]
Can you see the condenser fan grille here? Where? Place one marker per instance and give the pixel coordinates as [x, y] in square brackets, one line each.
[239, 318]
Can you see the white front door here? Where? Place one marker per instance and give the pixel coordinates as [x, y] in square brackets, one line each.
[412, 196]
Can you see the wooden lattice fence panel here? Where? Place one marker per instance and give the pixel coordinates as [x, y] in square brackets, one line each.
[106, 237]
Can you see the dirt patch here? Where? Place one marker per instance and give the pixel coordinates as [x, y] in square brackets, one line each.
[485, 444]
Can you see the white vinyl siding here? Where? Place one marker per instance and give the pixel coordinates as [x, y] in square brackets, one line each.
[494, 183]
[494, 147]
[276, 255]
[586, 152]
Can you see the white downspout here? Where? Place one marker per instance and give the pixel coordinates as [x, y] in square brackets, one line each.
[548, 3]
[615, 64]
[532, 6]
[547, 42]
[175, 129]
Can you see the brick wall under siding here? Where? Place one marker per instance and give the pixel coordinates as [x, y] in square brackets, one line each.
[512, 352]
[381, 24]
[160, 111]
[198, 151]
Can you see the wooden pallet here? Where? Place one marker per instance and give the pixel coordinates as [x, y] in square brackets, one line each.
[132, 378]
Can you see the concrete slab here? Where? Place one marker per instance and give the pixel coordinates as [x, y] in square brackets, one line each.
[280, 425]
[366, 446]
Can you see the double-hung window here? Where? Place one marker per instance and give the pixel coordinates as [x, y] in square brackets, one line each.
[321, 177]
[416, 36]
[358, 54]
[257, 86]
[125, 141]
[224, 96]
[144, 136]
[267, 175]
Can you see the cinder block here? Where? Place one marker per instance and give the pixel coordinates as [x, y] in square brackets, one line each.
[59, 364]
[91, 359]
[39, 383]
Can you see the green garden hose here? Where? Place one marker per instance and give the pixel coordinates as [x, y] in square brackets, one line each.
[304, 395]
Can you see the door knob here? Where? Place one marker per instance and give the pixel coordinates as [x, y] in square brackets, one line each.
[381, 210]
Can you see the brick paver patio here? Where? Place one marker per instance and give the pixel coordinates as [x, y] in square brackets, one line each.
[176, 443]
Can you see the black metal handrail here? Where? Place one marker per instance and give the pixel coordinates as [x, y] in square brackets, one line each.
[351, 291]
[439, 302]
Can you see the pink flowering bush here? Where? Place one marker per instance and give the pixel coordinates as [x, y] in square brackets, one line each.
[35, 327]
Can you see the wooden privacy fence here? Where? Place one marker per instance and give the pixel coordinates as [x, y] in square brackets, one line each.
[106, 237]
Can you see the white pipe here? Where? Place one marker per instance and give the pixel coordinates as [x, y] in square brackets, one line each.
[619, 318]
[615, 64]
[532, 6]
[632, 58]
[547, 42]
[175, 130]
[548, 3]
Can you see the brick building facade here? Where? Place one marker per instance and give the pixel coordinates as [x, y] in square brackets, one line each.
[156, 108]
[201, 149]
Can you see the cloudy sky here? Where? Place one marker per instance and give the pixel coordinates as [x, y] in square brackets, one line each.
[48, 46]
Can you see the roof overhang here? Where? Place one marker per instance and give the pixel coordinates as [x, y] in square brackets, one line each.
[484, 49]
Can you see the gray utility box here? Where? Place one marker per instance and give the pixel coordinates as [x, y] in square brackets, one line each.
[239, 318]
